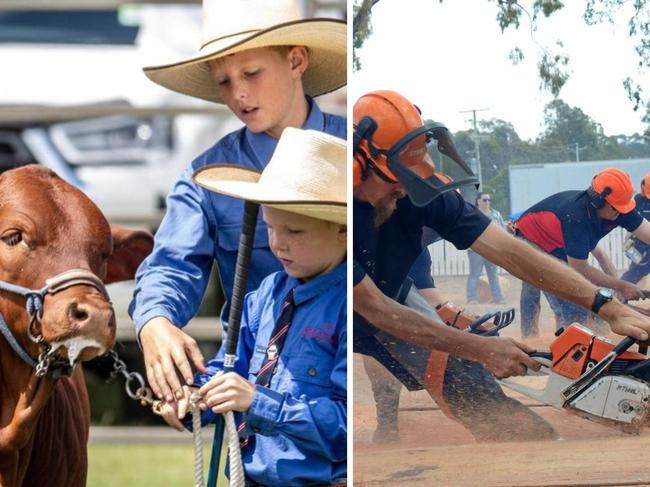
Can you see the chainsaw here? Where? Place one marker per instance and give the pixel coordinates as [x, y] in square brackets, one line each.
[594, 378]
[488, 324]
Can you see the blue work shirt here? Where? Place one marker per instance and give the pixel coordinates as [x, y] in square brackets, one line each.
[567, 225]
[201, 226]
[300, 420]
[643, 207]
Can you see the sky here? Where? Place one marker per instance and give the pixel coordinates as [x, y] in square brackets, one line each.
[450, 57]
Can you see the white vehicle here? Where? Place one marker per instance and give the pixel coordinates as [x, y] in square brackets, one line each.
[74, 98]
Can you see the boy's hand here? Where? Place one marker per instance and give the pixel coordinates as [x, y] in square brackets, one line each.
[174, 412]
[167, 348]
[227, 392]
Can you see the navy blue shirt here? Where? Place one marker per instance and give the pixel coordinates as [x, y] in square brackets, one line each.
[643, 207]
[386, 254]
[567, 225]
[201, 226]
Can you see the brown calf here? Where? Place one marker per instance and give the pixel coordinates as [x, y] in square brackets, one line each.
[48, 227]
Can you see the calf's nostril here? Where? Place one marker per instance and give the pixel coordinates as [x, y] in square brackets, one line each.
[77, 313]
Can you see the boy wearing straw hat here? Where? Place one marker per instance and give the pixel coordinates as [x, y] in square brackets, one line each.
[293, 341]
[265, 62]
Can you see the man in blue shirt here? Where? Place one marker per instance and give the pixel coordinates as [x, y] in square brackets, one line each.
[389, 163]
[264, 62]
[290, 378]
[640, 266]
[569, 225]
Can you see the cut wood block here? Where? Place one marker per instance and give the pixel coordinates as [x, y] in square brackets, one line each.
[616, 462]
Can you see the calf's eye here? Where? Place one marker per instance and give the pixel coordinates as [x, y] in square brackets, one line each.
[13, 238]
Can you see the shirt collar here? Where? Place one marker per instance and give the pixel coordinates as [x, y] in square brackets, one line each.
[304, 291]
[263, 145]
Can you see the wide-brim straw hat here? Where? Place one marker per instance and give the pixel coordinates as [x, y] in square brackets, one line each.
[231, 26]
[306, 175]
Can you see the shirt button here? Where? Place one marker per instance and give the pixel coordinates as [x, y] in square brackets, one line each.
[312, 372]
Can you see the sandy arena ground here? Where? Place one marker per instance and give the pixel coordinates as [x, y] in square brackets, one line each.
[436, 451]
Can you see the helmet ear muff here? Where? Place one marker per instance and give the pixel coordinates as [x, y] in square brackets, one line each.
[597, 199]
[362, 131]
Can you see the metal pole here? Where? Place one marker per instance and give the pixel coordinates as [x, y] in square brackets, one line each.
[234, 320]
[477, 144]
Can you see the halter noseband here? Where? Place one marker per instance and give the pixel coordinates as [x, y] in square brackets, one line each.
[47, 364]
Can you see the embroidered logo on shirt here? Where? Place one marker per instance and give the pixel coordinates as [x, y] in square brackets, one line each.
[322, 333]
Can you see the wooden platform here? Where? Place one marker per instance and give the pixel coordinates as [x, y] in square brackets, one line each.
[436, 451]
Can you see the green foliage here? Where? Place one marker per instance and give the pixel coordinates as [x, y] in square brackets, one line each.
[137, 465]
[566, 129]
[552, 65]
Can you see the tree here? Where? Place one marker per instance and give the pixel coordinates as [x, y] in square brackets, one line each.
[553, 65]
[501, 147]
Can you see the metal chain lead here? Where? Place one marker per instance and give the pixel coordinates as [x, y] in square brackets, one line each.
[142, 394]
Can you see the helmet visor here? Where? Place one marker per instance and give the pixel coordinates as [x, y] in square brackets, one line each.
[418, 177]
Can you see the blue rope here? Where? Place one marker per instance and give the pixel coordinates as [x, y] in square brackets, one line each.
[34, 307]
[13, 343]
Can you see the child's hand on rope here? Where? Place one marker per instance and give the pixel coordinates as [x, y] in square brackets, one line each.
[174, 412]
[227, 392]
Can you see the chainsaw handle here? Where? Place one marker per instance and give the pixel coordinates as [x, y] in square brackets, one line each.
[544, 358]
[501, 320]
[623, 345]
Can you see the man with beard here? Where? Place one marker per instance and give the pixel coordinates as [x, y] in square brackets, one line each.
[389, 163]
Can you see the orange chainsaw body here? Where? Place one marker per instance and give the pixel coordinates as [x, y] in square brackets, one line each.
[577, 346]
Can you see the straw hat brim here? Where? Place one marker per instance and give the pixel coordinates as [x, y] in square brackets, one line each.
[242, 183]
[325, 39]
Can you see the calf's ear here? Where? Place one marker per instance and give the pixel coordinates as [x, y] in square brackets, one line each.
[130, 247]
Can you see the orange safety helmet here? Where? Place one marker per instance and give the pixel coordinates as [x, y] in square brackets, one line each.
[381, 118]
[391, 139]
[614, 187]
[645, 186]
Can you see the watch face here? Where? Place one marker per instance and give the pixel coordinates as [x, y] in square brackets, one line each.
[606, 293]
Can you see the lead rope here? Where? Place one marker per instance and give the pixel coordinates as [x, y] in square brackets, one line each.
[198, 444]
[234, 451]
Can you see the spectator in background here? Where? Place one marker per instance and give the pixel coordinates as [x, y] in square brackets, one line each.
[476, 261]
[636, 249]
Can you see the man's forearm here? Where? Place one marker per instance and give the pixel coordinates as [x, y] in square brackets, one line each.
[534, 266]
[599, 278]
[409, 325]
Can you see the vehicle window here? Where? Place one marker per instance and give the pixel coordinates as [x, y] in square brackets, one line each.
[65, 27]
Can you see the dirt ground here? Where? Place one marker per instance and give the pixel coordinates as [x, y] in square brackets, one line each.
[434, 450]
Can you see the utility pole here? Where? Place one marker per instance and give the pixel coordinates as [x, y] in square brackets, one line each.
[578, 149]
[477, 145]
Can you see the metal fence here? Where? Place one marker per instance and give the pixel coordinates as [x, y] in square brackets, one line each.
[449, 261]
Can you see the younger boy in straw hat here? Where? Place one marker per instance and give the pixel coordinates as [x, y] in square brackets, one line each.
[293, 342]
[265, 62]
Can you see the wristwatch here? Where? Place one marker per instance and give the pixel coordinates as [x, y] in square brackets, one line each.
[603, 295]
